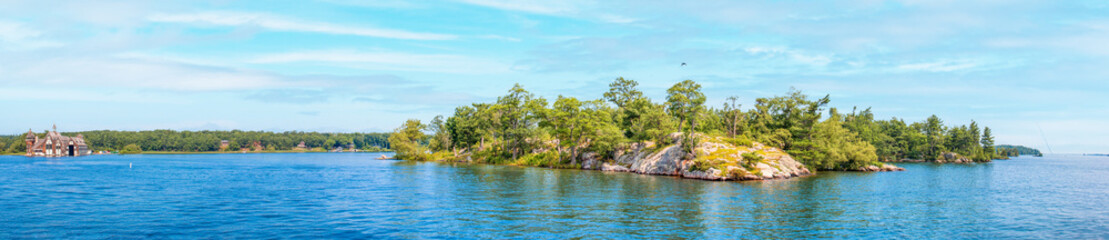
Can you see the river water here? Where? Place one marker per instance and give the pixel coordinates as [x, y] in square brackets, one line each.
[351, 195]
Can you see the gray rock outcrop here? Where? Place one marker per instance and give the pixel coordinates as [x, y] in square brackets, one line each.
[714, 160]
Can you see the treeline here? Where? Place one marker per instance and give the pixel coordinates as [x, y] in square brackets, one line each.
[522, 128]
[206, 141]
[1017, 150]
[895, 139]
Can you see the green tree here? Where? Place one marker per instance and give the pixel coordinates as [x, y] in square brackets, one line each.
[788, 121]
[933, 130]
[520, 112]
[441, 141]
[407, 141]
[836, 147]
[583, 124]
[651, 123]
[733, 116]
[622, 92]
[629, 102]
[131, 149]
[684, 100]
[988, 143]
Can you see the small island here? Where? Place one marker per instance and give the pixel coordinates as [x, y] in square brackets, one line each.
[780, 137]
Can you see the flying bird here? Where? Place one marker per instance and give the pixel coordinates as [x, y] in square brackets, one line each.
[683, 64]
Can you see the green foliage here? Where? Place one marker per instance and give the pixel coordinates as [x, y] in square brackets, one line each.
[544, 159]
[786, 121]
[894, 140]
[988, 143]
[441, 141]
[750, 159]
[622, 92]
[209, 141]
[407, 141]
[732, 117]
[17, 146]
[651, 123]
[520, 128]
[836, 147]
[1017, 150]
[684, 101]
[131, 149]
[738, 141]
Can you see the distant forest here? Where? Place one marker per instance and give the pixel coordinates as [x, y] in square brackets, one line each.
[1017, 150]
[206, 141]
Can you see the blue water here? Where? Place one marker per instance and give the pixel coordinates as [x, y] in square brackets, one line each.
[329, 195]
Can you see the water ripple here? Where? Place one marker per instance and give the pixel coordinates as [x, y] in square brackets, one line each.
[353, 196]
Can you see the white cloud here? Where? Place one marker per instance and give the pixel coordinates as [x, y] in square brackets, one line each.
[18, 36]
[939, 66]
[565, 8]
[499, 37]
[392, 61]
[539, 7]
[377, 3]
[124, 73]
[279, 23]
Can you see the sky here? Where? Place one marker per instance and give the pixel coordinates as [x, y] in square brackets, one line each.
[1036, 72]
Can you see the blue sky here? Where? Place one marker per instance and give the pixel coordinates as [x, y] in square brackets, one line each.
[344, 65]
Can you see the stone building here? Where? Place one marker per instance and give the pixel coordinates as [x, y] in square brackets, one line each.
[56, 145]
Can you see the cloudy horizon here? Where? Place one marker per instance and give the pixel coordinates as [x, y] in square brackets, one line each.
[1033, 71]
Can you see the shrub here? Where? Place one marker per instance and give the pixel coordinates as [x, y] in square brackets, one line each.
[750, 159]
[131, 149]
[738, 141]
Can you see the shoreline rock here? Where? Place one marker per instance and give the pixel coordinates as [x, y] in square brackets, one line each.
[945, 157]
[883, 168]
[669, 160]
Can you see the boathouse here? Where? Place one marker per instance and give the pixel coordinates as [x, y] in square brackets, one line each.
[56, 145]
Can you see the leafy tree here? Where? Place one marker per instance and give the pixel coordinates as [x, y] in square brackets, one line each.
[787, 121]
[629, 101]
[575, 122]
[835, 147]
[988, 143]
[442, 139]
[407, 141]
[131, 149]
[732, 116]
[684, 101]
[520, 112]
[652, 121]
[622, 92]
[933, 130]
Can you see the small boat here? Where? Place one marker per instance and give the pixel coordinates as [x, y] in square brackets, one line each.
[384, 157]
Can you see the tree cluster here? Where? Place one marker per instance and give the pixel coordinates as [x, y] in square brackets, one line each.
[895, 139]
[521, 128]
[206, 141]
[1017, 150]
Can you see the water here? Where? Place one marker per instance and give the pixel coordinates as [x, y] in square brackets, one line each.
[327, 195]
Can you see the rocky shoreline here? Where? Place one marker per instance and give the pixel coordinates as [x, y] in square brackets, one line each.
[946, 157]
[728, 162]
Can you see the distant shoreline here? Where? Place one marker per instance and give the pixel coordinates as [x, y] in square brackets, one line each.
[207, 152]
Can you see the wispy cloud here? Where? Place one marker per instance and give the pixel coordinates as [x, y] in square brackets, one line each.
[538, 7]
[294, 96]
[124, 73]
[19, 36]
[565, 8]
[391, 61]
[939, 66]
[280, 23]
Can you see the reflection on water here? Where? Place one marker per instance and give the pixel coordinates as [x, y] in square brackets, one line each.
[354, 196]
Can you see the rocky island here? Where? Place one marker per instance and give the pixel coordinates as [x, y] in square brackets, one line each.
[780, 137]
